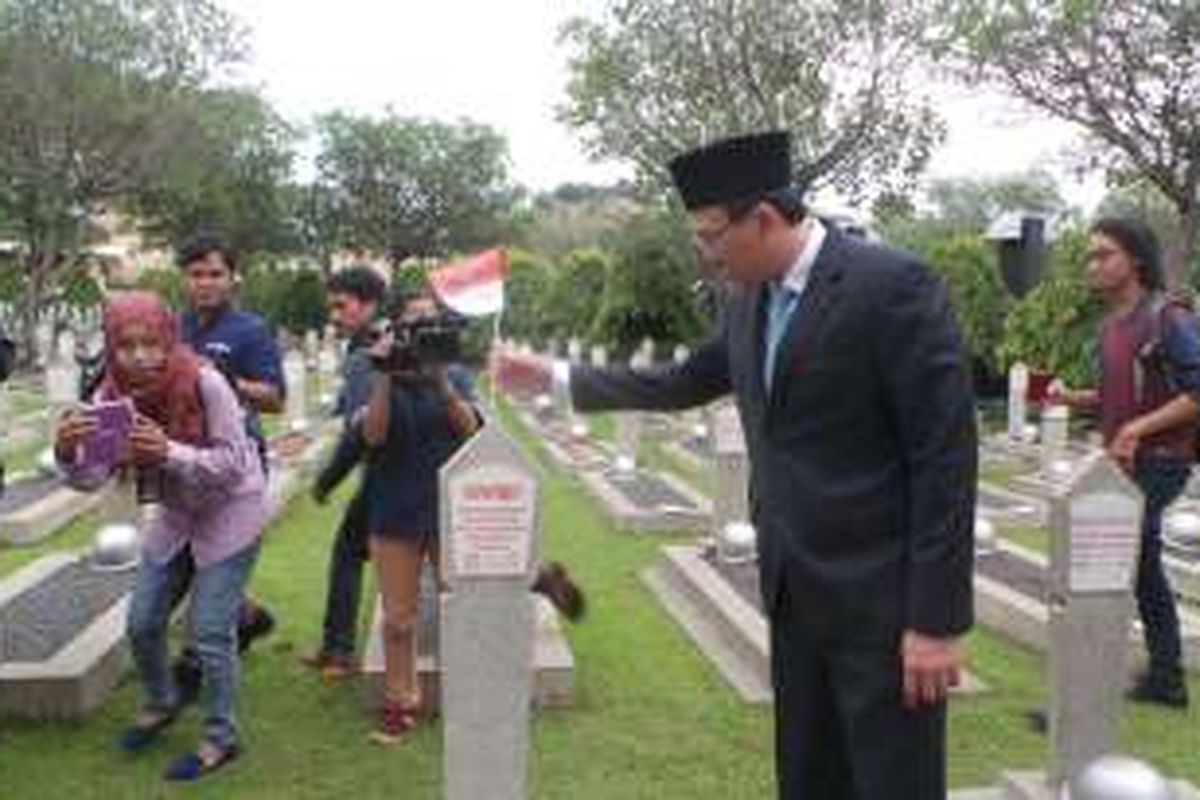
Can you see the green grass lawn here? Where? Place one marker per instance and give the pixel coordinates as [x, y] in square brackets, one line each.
[1033, 537]
[999, 473]
[24, 401]
[25, 458]
[604, 426]
[652, 718]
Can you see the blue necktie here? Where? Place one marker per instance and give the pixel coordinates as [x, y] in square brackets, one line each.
[781, 303]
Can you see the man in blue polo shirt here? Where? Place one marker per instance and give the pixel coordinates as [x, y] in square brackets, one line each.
[238, 343]
[242, 347]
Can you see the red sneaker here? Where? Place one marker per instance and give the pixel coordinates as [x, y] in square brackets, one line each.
[395, 721]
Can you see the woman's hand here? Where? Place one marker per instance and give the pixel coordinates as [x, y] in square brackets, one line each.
[74, 427]
[148, 443]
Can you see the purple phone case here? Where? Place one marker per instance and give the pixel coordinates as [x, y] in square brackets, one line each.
[102, 450]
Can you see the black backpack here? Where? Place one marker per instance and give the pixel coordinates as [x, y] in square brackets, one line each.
[1152, 356]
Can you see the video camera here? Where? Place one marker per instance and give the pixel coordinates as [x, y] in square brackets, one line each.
[425, 341]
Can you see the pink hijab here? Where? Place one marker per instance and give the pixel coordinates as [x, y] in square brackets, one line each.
[173, 401]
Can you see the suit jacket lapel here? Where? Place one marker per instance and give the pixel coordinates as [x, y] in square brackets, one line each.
[820, 293]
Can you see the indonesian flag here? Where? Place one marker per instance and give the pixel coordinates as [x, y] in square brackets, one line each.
[474, 287]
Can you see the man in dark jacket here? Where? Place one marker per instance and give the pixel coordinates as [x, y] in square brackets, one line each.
[849, 375]
[354, 297]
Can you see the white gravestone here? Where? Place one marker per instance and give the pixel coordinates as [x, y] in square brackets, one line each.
[629, 433]
[1096, 523]
[731, 475]
[312, 350]
[296, 405]
[577, 427]
[599, 356]
[645, 353]
[44, 341]
[489, 521]
[62, 383]
[629, 426]
[65, 351]
[1056, 426]
[1018, 388]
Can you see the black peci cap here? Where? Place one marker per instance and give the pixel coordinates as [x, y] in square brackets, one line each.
[733, 169]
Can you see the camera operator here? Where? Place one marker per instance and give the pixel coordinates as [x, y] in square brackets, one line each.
[420, 410]
[354, 296]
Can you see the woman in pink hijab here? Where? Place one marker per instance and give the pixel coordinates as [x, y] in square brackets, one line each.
[189, 443]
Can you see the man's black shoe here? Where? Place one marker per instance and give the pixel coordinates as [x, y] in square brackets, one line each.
[254, 622]
[1170, 692]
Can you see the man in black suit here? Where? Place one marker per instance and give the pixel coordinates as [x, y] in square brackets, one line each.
[849, 375]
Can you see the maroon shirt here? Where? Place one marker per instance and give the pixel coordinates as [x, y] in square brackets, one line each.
[1121, 337]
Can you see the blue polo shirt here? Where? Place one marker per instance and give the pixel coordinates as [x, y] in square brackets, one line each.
[241, 345]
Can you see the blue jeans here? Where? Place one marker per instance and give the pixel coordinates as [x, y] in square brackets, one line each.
[216, 595]
[345, 579]
[1161, 482]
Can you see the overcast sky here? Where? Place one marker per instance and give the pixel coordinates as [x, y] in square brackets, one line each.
[498, 62]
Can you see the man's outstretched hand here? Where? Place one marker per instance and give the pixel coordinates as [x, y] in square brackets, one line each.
[520, 374]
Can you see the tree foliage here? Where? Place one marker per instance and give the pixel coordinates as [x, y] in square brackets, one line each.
[969, 267]
[650, 80]
[90, 110]
[650, 290]
[409, 188]
[228, 173]
[1054, 327]
[1128, 74]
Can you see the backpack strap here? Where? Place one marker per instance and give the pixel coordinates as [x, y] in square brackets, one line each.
[1152, 353]
[1149, 347]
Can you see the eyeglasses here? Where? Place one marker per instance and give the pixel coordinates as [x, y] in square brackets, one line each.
[709, 239]
[1099, 254]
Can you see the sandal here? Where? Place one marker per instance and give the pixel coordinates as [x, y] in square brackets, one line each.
[395, 721]
[138, 737]
[193, 766]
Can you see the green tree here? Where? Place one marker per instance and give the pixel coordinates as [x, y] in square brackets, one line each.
[409, 188]
[574, 293]
[1054, 327]
[1127, 74]
[168, 283]
[529, 280]
[649, 80]
[971, 204]
[289, 299]
[968, 265]
[90, 96]
[650, 289]
[227, 173]
[966, 206]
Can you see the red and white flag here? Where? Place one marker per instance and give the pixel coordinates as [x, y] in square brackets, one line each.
[473, 287]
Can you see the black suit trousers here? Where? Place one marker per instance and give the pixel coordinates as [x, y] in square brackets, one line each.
[841, 729]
